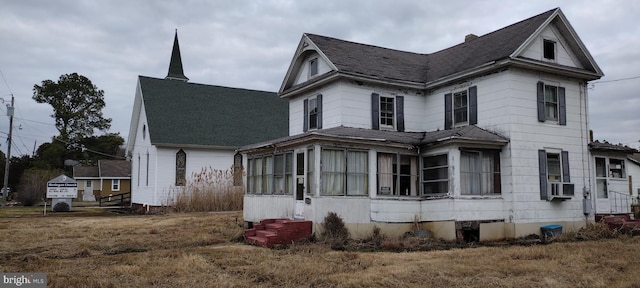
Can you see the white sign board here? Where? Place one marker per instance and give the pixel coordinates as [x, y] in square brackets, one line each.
[62, 187]
[62, 190]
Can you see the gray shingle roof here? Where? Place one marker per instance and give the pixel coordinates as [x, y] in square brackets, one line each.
[114, 168]
[467, 133]
[606, 146]
[389, 64]
[181, 113]
[85, 171]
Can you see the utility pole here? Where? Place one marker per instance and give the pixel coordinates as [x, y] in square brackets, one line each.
[10, 110]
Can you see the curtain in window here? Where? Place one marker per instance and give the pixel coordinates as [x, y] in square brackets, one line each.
[487, 173]
[470, 170]
[385, 174]
[357, 173]
[257, 176]
[267, 176]
[333, 170]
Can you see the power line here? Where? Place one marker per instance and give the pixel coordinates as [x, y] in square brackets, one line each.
[5, 81]
[616, 80]
[92, 151]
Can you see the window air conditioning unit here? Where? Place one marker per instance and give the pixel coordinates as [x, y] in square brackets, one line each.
[560, 191]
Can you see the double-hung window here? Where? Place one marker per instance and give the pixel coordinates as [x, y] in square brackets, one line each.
[387, 110]
[312, 113]
[480, 172]
[397, 174]
[344, 172]
[552, 105]
[115, 185]
[435, 174]
[461, 108]
[555, 179]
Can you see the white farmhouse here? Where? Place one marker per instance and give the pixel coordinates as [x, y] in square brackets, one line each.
[179, 128]
[484, 140]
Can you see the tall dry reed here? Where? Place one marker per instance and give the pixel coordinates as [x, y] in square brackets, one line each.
[208, 190]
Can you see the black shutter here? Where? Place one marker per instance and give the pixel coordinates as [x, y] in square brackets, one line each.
[305, 126]
[542, 167]
[473, 105]
[400, 113]
[448, 111]
[566, 176]
[562, 107]
[375, 111]
[541, 116]
[319, 105]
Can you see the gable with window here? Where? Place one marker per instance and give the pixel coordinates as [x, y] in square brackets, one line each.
[555, 179]
[552, 105]
[312, 113]
[387, 112]
[461, 108]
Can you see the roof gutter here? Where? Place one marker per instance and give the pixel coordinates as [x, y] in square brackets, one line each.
[555, 69]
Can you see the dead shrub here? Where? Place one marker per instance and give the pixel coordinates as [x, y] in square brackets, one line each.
[33, 185]
[208, 190]
[334, 231]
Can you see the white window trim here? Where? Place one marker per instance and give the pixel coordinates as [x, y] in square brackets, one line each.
[453, 108]
[555, 50]
[393, 117]
[311, 61]
[113, 184]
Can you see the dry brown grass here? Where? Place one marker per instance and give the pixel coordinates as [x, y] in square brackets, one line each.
[208, 190]
[195, 250]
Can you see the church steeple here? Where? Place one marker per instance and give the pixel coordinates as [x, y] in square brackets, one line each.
[175, 66]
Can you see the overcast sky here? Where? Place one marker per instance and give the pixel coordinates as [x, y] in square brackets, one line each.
[249, 44]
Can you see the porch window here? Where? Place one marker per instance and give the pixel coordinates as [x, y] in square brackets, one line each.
[267, 175]
[88, 184]
[397, 174]
[283, 173]
[344, 172]
[310, 172]
[435, 174]
[616, 168]
[115, 185]
[480, 172]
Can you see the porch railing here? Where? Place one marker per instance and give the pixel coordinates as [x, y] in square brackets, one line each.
[620, 202]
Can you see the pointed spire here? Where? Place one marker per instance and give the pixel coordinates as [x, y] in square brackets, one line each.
[175, 66]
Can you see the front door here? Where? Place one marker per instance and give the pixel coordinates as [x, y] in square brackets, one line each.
[602, 187]
[300, 184]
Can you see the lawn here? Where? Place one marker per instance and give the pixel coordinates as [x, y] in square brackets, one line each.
[96, 248]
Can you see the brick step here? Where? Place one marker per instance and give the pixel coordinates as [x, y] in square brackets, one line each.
[271, 232]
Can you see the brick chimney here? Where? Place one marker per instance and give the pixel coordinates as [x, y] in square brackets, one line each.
[470, 37]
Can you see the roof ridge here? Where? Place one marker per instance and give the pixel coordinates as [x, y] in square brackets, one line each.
[364, 44]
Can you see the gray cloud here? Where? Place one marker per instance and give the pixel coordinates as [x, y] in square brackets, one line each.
[250, 44]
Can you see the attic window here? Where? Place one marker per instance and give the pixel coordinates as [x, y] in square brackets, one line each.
[144, 131]
[549, 49]
[313, 67]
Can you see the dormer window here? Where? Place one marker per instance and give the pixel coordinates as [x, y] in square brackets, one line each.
[313, 67]
[549, 49]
